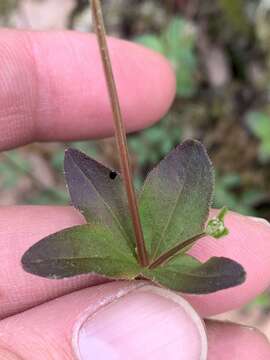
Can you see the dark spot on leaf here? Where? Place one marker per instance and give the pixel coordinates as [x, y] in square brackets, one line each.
[113, 175]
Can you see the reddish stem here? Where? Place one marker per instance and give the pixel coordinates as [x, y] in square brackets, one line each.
[120, 132]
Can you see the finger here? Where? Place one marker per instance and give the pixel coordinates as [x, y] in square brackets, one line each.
[23, 226]
[20, 290]
[52, 87]
[228, 341]
[248, 243]
[114, 321]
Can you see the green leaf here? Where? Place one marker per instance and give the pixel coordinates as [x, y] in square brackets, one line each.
[79, 250]
[179, 42]
[98, 193]
[188, 275]
[175, 199]
[179, 36]
[259, 123]
[151, 41]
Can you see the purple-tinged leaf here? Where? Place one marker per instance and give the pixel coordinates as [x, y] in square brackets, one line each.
[185, 274]
[80, 250]
[175, 199]
[98, 193]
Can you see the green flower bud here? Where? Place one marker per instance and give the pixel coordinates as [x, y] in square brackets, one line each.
[216, 227]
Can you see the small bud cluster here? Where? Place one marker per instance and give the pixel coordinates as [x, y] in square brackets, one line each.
[216, 227]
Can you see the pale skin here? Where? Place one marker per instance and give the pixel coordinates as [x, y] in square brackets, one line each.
[52, 89]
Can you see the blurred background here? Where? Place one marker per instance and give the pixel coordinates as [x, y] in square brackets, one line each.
[220, 50]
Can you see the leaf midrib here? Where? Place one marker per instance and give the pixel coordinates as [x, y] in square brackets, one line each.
[172, 211]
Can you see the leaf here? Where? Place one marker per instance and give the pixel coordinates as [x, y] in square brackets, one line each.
[80, 250]
[179, 36]
[175, 199]
[98, 193]
[186, 274]
[259, 123]
[179, 42]
[152, 42]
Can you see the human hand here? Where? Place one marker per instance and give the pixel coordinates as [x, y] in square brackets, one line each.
[52, 88]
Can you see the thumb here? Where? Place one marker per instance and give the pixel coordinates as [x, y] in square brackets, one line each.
[114, 321]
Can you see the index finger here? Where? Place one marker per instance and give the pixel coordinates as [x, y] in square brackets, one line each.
[52, 87]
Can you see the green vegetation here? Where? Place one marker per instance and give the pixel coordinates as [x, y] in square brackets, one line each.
[177, 43]
[259, 123]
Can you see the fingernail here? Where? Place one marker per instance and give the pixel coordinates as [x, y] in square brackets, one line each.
[255, 330]
[218, 322]
[259, 220]
[146, 323]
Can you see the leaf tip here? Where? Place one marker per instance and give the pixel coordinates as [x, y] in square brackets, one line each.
[234, 270]
[26, 261]
[70, 152]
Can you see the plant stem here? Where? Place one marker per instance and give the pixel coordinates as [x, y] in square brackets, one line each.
[120, 132]
[169, 254]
